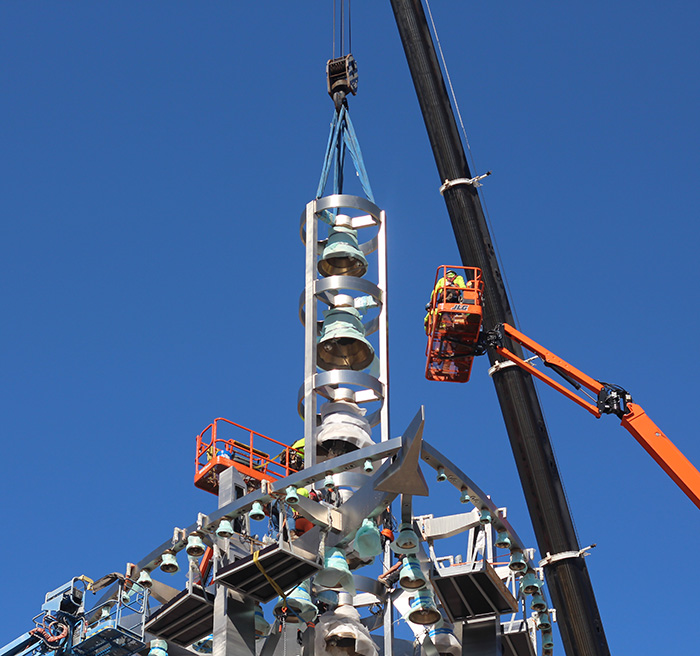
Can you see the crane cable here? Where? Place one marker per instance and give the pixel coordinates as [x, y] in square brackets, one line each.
[490, 225]
[342, 27]
[471, 157]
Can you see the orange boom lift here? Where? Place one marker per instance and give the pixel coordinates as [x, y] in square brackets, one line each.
[452, 345]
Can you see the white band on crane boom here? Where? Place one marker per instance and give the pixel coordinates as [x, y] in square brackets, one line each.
[504, 364]
[467, 181]
[553, 558]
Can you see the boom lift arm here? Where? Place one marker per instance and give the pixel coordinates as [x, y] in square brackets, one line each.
[611, 399]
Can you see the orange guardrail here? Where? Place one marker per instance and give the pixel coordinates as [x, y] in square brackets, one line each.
[224, 443]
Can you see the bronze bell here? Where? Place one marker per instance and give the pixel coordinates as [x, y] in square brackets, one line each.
[342, 255]
[342, 344]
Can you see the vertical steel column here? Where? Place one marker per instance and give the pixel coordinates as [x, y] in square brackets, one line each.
[234, 616]
[375, 385]
[382, 281]
[482, 638]
[310, 336]
[580, 624]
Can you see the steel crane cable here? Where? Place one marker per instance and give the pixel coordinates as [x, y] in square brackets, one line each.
[490, 225]
[342, 27]
[471, 157]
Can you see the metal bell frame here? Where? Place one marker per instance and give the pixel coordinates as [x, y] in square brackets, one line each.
[322, 291]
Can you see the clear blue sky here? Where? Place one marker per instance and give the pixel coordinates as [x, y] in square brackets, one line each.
[156, 158]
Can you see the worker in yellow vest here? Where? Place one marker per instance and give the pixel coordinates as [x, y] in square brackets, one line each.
[450, 279]
[296, 456]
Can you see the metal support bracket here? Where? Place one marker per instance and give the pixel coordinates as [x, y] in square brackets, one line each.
[504, 364]
[564, 555]
[474, 182]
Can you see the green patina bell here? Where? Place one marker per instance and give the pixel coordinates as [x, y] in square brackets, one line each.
[547, 640]
[225, 529]
[299, 603]
[195, 545]
[538, 604]
[543, 623]
[291, 495]
[342, 255]
[530, 584]
[423, 608]
[144, 579]
[169, 562]
[368, 541]
[336, 574]
[342, 344]
[517, 561]
[257, 514]
[502, 540]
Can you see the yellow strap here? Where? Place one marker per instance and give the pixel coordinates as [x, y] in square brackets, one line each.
[87, 580]
[275, 587]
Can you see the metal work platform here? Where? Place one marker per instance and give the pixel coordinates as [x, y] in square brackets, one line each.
[471, 589]
[186, 618]
[285, 565]
[109, 638]
[516, 639]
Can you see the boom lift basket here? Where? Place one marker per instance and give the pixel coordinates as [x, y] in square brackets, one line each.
[217, 449]
[119, 628]
[453, 323]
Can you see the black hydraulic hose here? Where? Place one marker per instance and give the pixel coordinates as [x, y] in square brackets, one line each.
[568, 581]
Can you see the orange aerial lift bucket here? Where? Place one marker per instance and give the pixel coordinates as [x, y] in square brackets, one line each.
[218, 449]
[453, 323]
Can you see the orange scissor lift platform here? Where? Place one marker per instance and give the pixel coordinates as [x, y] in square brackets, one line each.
[453, 323]
[224, 444]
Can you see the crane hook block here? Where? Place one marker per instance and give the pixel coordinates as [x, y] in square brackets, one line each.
[341, 75]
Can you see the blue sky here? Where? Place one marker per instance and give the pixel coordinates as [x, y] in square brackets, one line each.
[156, 158]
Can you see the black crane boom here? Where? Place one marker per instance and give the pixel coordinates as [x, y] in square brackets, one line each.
[570, 586]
